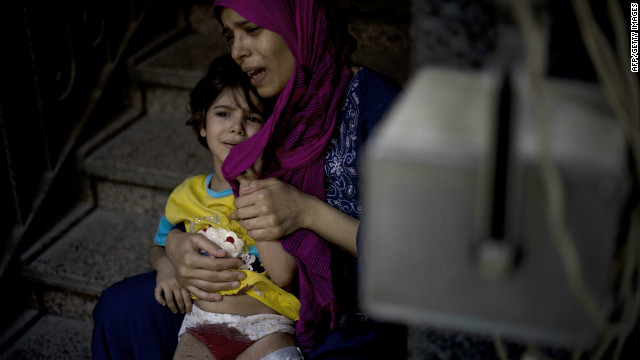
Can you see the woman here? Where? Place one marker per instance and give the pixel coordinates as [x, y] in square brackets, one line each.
[299, 52]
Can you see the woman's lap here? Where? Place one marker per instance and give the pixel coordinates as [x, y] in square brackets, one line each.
[130, 324]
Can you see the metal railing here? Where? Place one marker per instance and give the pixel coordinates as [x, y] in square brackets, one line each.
[56, 67]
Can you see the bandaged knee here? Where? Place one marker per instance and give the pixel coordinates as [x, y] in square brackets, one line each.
[287, 353]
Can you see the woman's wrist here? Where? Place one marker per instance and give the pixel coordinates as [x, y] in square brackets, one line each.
[310, 209]
[331, 224]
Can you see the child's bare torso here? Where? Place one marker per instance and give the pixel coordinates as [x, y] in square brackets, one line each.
[240, 304]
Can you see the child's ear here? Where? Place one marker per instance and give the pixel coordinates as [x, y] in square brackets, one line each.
[203, 132]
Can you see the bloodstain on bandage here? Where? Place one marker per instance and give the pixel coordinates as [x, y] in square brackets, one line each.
[225, 342]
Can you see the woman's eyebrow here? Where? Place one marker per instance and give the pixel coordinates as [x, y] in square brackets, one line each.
[238, 23]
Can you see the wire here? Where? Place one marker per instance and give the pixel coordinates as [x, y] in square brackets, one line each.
[622, 41]
[560, 235]
[621, 89]
[501, 350]
[631, 304]
[623, 98]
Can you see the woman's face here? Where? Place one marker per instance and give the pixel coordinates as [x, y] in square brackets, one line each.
[262, 54]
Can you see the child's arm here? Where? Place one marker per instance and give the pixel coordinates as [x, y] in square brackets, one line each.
[279, 264]
[168, 291]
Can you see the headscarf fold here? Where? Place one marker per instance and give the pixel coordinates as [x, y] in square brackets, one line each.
[296, 134]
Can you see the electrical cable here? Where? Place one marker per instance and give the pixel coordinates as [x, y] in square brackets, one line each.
[617, 85]
[611, 76]
[621, 90]
[560, 235]
[623, 97]
[501, 350]
[622, 41]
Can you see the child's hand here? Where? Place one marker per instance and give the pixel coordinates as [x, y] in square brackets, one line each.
[168, 291]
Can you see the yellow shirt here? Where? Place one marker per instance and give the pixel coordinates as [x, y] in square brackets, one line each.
[198, 207]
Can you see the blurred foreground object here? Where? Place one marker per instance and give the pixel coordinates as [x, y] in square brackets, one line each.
[457, 228]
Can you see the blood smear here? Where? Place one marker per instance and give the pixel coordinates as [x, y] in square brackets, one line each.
[225, 342]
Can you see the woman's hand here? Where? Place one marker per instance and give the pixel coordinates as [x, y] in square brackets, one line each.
[202, 275]
[270, 209]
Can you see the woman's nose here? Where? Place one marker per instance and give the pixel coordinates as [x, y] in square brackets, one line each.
[239, 48]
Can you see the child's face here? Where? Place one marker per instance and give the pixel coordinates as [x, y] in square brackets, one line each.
[230, 121]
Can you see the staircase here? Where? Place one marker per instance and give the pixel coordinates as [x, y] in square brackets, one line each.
[130, 169]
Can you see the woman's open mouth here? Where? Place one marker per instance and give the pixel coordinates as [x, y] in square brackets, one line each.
[256, 76]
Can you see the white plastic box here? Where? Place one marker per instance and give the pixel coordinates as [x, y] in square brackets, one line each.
[428, 182]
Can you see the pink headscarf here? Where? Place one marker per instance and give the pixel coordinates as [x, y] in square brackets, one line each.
[296, 134]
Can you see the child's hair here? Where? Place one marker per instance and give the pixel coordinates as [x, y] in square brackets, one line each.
[223, 73]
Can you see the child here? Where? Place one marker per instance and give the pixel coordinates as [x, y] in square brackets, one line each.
[256, 319]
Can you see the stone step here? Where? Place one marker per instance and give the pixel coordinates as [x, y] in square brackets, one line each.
[52, 338]
[136, 170]
[104, 247]
[181, 61]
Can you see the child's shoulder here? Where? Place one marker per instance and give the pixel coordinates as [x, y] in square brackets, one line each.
[202, 178]
[191, 184]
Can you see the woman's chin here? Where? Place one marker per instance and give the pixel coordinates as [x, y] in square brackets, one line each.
[266, 91]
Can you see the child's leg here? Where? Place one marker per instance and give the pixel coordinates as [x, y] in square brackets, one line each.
[270, 344]
[191, 348]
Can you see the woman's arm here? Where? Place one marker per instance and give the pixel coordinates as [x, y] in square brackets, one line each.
[270, 209]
